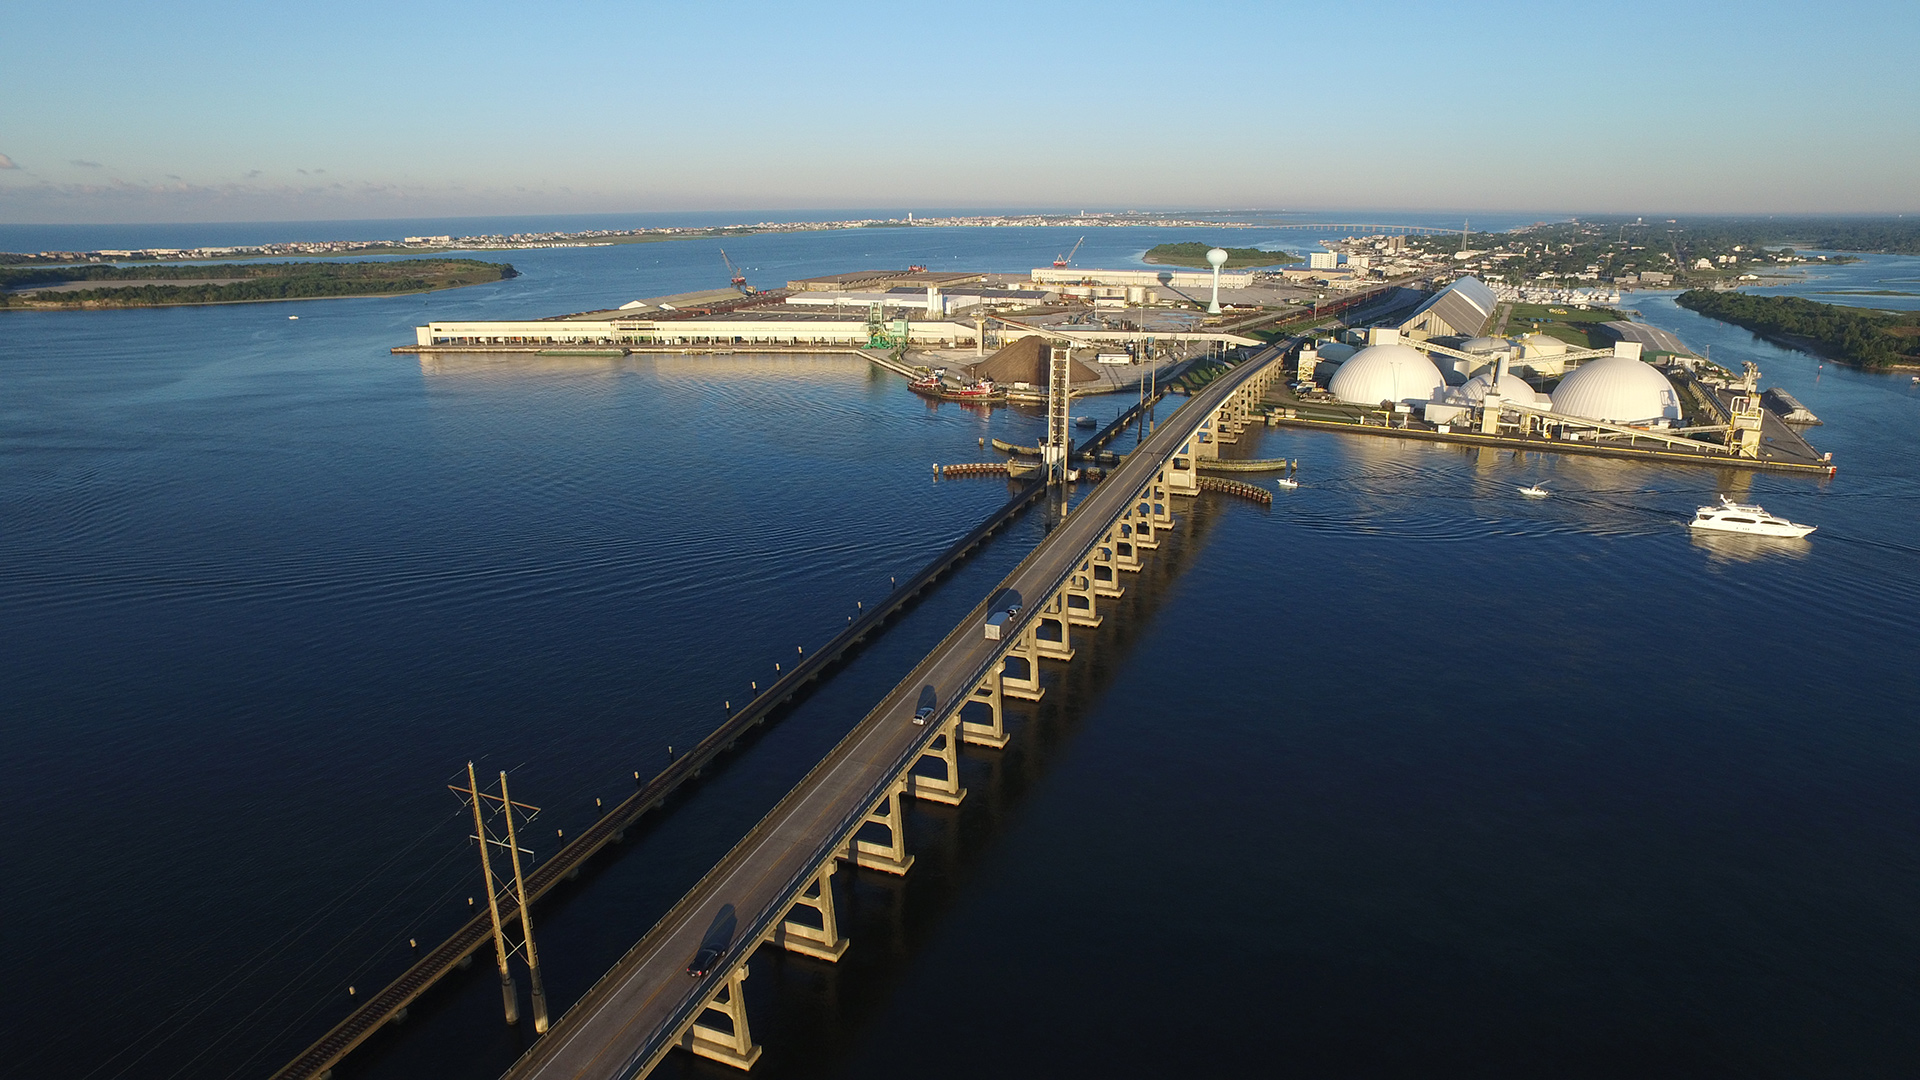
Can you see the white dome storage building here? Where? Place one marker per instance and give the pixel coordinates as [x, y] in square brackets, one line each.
[1618, 390]
[1515, 389]
[1387, 372]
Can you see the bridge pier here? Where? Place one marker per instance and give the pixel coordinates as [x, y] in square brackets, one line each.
[1081, 607]
[1106, 576]
[993, 733]
[891, 856]
[1159, 505]
[1145, 534]
[1125, 555]
[1182, 477]
[733, 1047]
[1203, 444]
[945, 749]
[821, 942]
[1025, 686]
[1053, 616]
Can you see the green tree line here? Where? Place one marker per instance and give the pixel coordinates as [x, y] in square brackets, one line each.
[262, 281]
[1195, 254]
[1854, 335]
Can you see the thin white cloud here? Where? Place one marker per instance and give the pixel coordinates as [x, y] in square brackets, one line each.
[85, 164]
[7, 162]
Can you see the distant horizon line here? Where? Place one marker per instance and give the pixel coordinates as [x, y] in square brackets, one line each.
[860, 213]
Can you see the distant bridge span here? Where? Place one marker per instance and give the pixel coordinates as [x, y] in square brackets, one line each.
[1370, 230]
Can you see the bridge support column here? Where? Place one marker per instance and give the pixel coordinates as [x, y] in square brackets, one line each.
[945, 749]
[1182, 477]
[821, 942]
[1081, 608]
[891, 856]
[1226, 422]
[1053, 616]
[1161, 506]
[1125, 555]
[1026, 686]
[993, 733]
[1145, 533]
[1204, 444]
[1106, 576]
[733, 1047]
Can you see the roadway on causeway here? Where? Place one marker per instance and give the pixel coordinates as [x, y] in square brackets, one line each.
[627, 1021]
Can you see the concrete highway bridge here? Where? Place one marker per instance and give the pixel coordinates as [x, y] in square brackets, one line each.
[774, 887]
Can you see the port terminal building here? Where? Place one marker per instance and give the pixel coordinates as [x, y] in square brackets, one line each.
[760, 329]
[1462, 309]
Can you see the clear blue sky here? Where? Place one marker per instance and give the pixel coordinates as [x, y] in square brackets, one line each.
[120, 112]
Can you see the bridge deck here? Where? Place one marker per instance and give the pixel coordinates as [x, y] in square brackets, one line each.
[630, 1019]
[381, 1008]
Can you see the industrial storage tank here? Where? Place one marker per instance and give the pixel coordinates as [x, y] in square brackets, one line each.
[1515, 389]
[1380, 373]
[1619, 390]
[1538, 344]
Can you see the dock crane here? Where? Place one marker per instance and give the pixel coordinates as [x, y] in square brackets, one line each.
[1061, 262]
[739, 278]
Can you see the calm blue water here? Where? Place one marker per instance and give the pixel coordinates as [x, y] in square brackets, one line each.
[1402, 775]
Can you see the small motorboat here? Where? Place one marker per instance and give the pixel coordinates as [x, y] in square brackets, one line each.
[1287, 482]
[1747, 519]
[1085, 422]
[295, 318]
[1535, 491]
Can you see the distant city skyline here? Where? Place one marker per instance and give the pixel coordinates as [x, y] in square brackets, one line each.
[125, 112]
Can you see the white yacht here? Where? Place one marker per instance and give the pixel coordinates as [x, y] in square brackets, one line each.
[1745, 518]
[1535, 491]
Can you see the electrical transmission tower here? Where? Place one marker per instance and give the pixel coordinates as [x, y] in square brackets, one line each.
[487, 805]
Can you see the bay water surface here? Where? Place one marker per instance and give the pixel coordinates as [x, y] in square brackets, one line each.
[1403, 775]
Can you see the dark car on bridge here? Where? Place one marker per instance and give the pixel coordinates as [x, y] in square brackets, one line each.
[705, 959]
[923, 714]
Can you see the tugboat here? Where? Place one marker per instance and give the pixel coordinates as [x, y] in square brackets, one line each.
[1745, 518]
[932, 384]
[976, 390]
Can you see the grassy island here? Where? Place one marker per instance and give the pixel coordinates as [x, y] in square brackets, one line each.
[55, 288]
[1195, 255]
[1859, 336]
